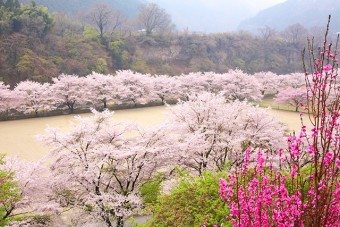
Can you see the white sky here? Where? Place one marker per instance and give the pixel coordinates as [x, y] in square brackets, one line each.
[257, 5]
[213, 15]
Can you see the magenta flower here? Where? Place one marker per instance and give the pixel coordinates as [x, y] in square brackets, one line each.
[327, 68]
[223, 189]
[337, 163]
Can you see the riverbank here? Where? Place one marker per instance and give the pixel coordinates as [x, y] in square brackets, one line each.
[84, 110]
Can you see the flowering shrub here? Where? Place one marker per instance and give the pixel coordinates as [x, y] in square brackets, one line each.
[263, 195]
[261, 198]
[190, 202]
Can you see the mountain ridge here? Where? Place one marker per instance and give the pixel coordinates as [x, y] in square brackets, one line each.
[309, 13]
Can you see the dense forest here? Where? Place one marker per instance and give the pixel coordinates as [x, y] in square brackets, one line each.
[38, 45]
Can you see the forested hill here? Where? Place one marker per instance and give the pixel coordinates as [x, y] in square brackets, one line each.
[37, 45]
[305, 12]
[128, 7]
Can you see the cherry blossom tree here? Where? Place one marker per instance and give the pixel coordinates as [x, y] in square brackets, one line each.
[206, 131]
[215, 82]
[35, 97]
[134, 87]
[69, 90]
[103, 89]
[296, 80]
[293, 80]
[8, 100]
[99, 169]
[293, 97]
[241, 86]
[269, 82]
[191, 83]
[283, 81]
[33, 188]
[166, 87]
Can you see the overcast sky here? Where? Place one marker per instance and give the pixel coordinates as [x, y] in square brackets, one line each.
[212, 15]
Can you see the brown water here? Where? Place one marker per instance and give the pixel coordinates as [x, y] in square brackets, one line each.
[292, 119]
[17, 138]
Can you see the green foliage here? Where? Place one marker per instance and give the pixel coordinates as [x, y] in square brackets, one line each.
[9, 194]
[139, 65]
[202, 65]
[239, 63]
[190, 202]
[101, 66]
[125, 57]
[25, 64]
[151, 189]
[88, 208]
[33, 66]
[5, 20]
[116, 46]
[302, 181]
[36, 20]
[118, 52]
[33, 220]
[90, 33]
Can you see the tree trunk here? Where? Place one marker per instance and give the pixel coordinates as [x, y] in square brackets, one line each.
[107, 220]
[120, 221]
[71, 106]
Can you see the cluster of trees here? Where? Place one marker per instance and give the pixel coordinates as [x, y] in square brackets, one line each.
[97, 168]
[39, 46]
[31, 49]
[126, 87]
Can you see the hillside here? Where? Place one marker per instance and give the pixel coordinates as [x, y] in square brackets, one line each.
[309, 13]
[38, 46]
[129, 7]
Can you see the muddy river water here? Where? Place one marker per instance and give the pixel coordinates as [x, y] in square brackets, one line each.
[17, 138]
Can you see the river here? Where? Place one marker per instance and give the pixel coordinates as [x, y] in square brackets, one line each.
[17, 138]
